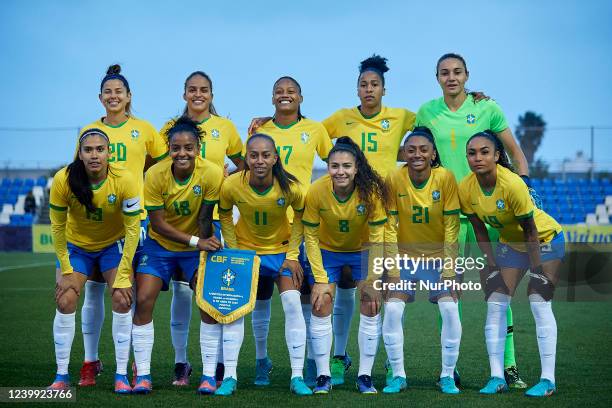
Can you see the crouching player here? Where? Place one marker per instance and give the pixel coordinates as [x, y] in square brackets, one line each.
[262, 193]
[338, 208]
[424, 223]
[180, 195]
[529, 239]
[93, 206]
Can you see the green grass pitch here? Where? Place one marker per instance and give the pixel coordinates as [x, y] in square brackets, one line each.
[584, 364]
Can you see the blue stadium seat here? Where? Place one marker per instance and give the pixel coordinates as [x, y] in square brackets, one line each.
[6, 182]
[25, 189]
[17, 182]
[41, 181]
[548, 182]
[15, 190]
[27, 219]
[608, 189]
[11, 199]
[15, 220]
[28, 182]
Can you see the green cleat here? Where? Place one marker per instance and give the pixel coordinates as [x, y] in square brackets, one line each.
[339, 367]
[299, 387]
[396, 385]
[511, 375]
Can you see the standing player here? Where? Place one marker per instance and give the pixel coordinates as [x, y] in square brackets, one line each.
[180, 195]
[528, 239]
[93, 205]
[425, 203]
[453, 118]
[220, 139]
[262, 193]
[134, 144]
[297, 140]
[338, 208]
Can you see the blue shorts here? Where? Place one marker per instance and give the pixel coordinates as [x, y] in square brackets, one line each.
[160, 262]
[420, 279]
[508, 257]
[271, 263]
[84, 261]
[333, 262]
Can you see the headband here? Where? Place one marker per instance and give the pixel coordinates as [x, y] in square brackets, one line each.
[115, 76]
[91, 132]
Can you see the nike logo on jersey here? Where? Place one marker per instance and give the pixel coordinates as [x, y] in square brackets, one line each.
[323, 209]
[350, 123]
[402, 195]
[130, 205]
[241, 202]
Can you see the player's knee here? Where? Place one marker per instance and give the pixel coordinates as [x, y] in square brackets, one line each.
[494, 282]
[540, 284]
[120, 304]
[67, 302]
[369, 308]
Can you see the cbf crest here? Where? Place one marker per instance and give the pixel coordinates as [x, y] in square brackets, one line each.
[304, 137]
[197, 190]
[500, 204]
[435, 195]
[361, 209]
[471, 119]
[134, 133]
[385, 125]
[112, 198]
[215, 134]
[228, 277]
[281, 202]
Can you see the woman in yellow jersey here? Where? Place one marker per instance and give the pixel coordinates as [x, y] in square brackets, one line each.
[528, 239]
[134, 143]
[453, 118]
[93, 206]
[425, 205]
[180, 195]
[220, 139]
[338, 208]
[297, 140]
[262, 193]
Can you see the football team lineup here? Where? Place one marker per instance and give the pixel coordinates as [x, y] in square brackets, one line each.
[369, 232]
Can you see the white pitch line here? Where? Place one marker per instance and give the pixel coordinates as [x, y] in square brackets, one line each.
[25, 266]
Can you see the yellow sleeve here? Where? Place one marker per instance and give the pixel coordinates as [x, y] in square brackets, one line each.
[378, 215]
[226, 217]
[324, 145]
[464, 198]
[234, 146]
[152, 194]
[156, 144]
[297, 229]
[131, 222]
[451, 246]
[520, 201]
[330, 124]
[311, 221]
[58, 213]
[375, 248]
[214, 179]
[409, 121]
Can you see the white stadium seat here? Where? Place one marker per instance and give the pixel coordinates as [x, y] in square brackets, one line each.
[603, 219]
[608, 200]
[601, 210]
[49, 182]
[591, 219]
[7, 209]
[5, 219]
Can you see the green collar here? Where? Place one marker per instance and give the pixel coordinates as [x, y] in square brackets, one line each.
[285, 126]
[262, 193]
[97, 186]
[115, 126]
[342, 201]
[368, 116]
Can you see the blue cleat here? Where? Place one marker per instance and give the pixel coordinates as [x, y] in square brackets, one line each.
[545, 388]
[263, 368]
[324, 385]
[61, 382]
[208, 385]
[144, 384]
[227, 388]
[396, 385]
[339, 367]
[447, 385]
[122, 384]
[311, 373]
[494, 386]
[364, 385]
[299, 387]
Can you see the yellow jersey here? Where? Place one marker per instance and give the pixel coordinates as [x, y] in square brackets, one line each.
[181, 200]
[117, 203]
[504, 206]
[379, 136]
[263, 225]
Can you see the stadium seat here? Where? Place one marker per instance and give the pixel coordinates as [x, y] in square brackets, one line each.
[41, 181]
[5, 219]
[25, 189]
[603, 219]
[28, 182]
[591, 219]
[49, 182]
[17, 182]
[27, 219]
[7, 208]
[6, 182]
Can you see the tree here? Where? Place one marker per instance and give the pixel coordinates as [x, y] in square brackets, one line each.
[530, 132]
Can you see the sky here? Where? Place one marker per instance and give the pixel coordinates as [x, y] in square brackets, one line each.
[551, 57]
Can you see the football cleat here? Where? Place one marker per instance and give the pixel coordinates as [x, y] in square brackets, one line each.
[545, 388]
[339, 367]
[364, 385]
[208, 385]
[182, 371]
[61, 382]
[397, 384]
[227, 388]
[89, 371]
[299, 387]
[324, 385]
[512, 378]
[144, 385]
[263, 368]
[448, 386]
[122, 384]
[495, 385]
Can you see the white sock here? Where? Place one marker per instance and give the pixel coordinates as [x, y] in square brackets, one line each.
[220, 350]
[495, 331]
[295, 330]
[546, 330]
[369, 333]
[142, 340]
[307, 312]
[344, 306]
[233, 335]
[63, 335]
[393, 335]
[321, 336]
[210, 337]
[122, 331]
[260, 321]
[92, 318]
[180, 316]
[450, 335]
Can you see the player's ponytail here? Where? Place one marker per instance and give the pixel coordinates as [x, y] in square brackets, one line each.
[114, 72]
[370, 186]
[297, 84]
[426, 133]
[503, 160]
[283, 177]
[78, 180]
[211, 107]
[376, 64]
